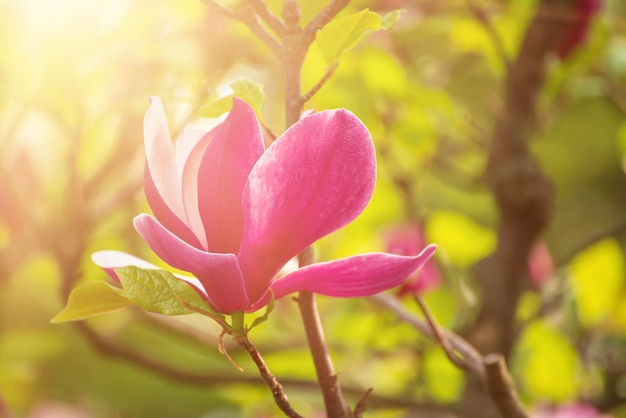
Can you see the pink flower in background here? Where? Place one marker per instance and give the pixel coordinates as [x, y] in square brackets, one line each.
[232, 213]
[408, 239]
[578, 29]
[540, 264]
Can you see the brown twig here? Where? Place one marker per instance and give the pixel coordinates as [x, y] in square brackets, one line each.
[360, 407]
[329, 73]
[501, 387]
[277, 390]
[441, 337]
[260, 7]
[251, 19]
[483, 18]
[471, 357]
[326, 375]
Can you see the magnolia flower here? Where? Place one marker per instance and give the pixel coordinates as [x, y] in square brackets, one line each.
[233, 214]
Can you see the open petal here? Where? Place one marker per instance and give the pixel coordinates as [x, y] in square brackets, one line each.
[317, 177]
[361, 275]
[219, 273]
[235, 147]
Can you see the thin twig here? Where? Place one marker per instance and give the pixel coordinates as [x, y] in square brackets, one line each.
[501, 387]
[260, 7]
[441, 337]
[251, 19]
[360, 407]
[277, 390]
[329, 73]
[472, 357]
[322, 18]
[483, 18]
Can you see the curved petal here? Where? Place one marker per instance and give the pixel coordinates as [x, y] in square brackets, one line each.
[235, 147]
[219, 273]
[317, 177]
[361, 275]
[160, 158]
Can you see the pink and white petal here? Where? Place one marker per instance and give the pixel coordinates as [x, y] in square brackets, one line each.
[110, 260]
[189, 175]
[160, 158]
[165, 216]
[236, 145]
[219, 273]
[361, 275]
[315, 178]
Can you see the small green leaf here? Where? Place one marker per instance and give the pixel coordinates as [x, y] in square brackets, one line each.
[91, 299]
[159, 291]
[390, 19]
[252, 93]
[217, 108]
[247, 90]
[341, 34]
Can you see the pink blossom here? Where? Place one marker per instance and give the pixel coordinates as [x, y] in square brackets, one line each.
[232, 213]
[540, 264]
[576, 33]
[408, 239]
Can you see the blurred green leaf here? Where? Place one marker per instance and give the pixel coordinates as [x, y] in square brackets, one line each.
[547, 363]
[344, 33]
[462, 239]
[390, 19]
[158, 291]
[596, 279]
[247, 90]
[91, 299]
[445, 381]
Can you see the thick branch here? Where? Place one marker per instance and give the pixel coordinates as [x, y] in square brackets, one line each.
[325, 16]
[501, 387]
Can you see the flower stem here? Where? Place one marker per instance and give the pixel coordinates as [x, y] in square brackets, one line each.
[277, 390]
[336, 406]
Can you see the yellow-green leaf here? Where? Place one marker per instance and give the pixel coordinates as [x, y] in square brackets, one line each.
[217, 108]
[91, 299]
[159, 291]
[341, 34]
[596, 279]
[390, 19]
[459, 237]
[252, 93]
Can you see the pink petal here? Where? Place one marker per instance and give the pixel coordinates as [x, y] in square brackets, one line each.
[361, 275]
[236, 146]
[160, 158]
[219, 273]
[317, 177]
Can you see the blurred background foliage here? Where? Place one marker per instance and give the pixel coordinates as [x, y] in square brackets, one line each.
[74, 80]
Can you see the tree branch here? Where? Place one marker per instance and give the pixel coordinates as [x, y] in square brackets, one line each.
[501, 387]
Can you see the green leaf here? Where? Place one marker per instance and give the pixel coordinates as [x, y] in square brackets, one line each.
[390, 19]
[341, 34]
[597, 277]
[91, 299]
[252, 93]
[247, 90]
[159, 291]
[217, 108]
